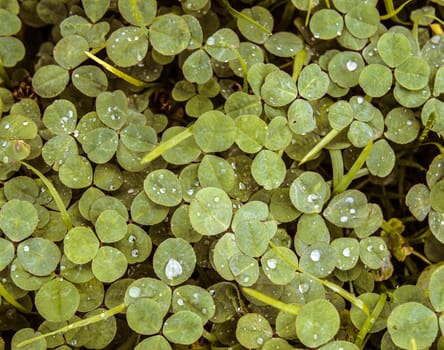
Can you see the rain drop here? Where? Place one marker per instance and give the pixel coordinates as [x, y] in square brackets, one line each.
[351, 65]
[271, 263]
[315, 255]
[134, 292]
[173, 269]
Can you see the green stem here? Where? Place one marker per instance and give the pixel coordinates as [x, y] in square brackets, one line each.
[238, 14]
[10, 299]
[118, 73]
[357, 165]
[63, 212]
[289, 308]
[167, 145]
[392, 12]
[242, 64]
[320, 145]
[298, 63]
[337, 165]
[370, 321]
[82, 323]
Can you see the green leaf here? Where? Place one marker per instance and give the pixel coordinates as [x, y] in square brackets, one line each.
[195, 299]
[110, 226]
[197, 67]
[169, 34]
[362, 20]
[326, 24]
[69, 51]
[224, 249]
[239, 104]
[210, 211]
[11, 219]
[339, 345]
[108, 177]
[145, 212]
[309, 192]
[418, 201]
[95, 9]
[394, 48]
[7, 252]
[76, 172]
[412, 321]
[57, 149]
[216, 172]
[12, 51]
[340, 115]
[195, 30]
[359, 317]
[347, 251]
[250, 54]
[311, 228]
[373, 252]
[276, 266]
[89, 80]
[144, 316]
[251, 133]
[300, 117]
[49, 81]
[402, 126]
[163, 187]
[411, 98]
[10, 24]
[174, 261]
[155, 342]
[183, 327]
[139, 13]
[278, 89]
[375, 80]
[381, 160]
[220, 45]
[214, 131]
[438, 86]
[253, 236]
[60, 117]
[317, 323]
[61, 293]
[253, 330]
[112, 108]
[127, 46]
[312, 82]
[136, 245]
[345, 68]
[268, 169]
[318, 259]
[347, 209]
[260, 15]
[109, 264]
[184, 152]
[436, 287]
[26, 334]
[413, 73]
[80, 245]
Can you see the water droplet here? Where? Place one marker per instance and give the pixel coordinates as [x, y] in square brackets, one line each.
[216, 199]
[381, 247]
[135, 253]
[190, 192]
[369, 248]
[312, 197]
[316, 35]
[271, 263]
[134, 292]
[162, 190]
[211, 40]
[259, 340]
[180, 301]
[26, 248]
[315, 255]
[352, 211]
[351, 65]
[435, 39]
[315, 336]
[303, 288]
[173, 269]
[359, 99]
[343, 219]
[346, 252]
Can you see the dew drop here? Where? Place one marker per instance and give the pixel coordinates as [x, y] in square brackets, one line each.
[351, 65]
[369, 248]
[260, 340]
[271, 263]
[359, 99]
[435, 39]
[315, 255]
[135, 253]
[26, 248]
[180, 301]
[346, 252]
[216, 199]
[134, 292]
[343, 219]
[312, 197]
[131, 239]
[173, 269]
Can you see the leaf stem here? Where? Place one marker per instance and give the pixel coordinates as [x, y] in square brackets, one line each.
[119, 73]
[238, 14]
[58, 200]
[242, 64]
[392, 12]
[298, 63]
[82, 323]
[289, 308]
[10, 299]
[337, 166]
[165, 146]
[370, 321]
[320, 145]
[347, 179]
